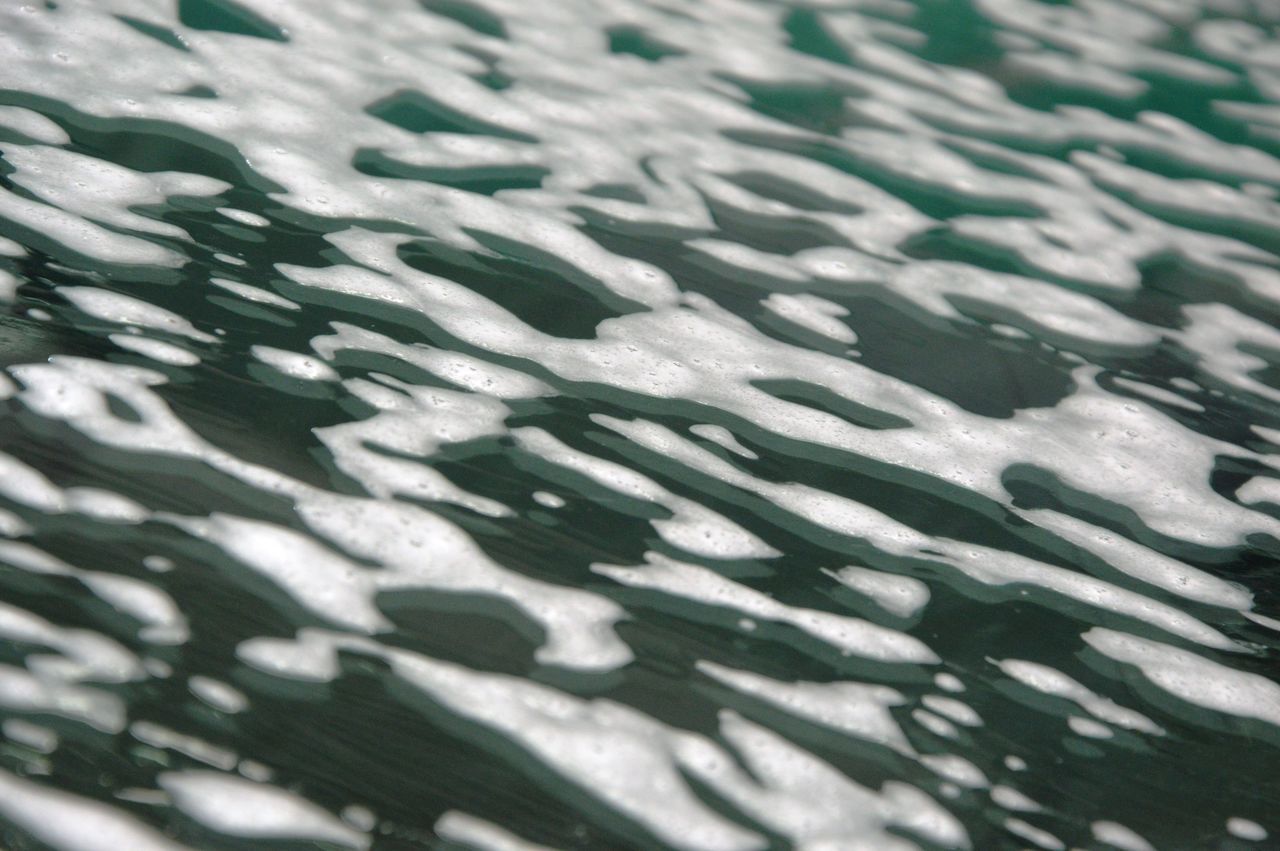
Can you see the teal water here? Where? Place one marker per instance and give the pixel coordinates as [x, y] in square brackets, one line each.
[639, 424]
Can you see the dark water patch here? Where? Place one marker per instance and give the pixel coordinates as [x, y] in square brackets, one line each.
[636, 42]
[616, 192]
[985, 374]
[1033, 487]
[478, 631]
[539, 297]
[771, 233]
[471, 15]
[164, 35]
[957, 33]
[915, 499]
[198, 91]
[927, 196]
[146, 145]
[787, 331]
[416, 112]
[942, 243]
[778, 188]
[967, 364]
[822, 399]
[474, 770]
[819, 108]
[1169, 284]
[493, 77]
[485, 180]
[228, 17]
[809, 35]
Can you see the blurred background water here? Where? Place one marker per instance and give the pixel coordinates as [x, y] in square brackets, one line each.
[639, 424]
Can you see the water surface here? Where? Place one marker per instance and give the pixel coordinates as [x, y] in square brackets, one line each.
[639, 424]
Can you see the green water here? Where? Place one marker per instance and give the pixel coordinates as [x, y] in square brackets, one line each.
[639, 424]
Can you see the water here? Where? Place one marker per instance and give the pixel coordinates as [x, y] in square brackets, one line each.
[725, 425]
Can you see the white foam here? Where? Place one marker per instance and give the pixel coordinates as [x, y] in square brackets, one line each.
[1089, 728]
[101, 191]
[1243, 828]
[1215, 332]
[1114, 833]
[722, 436]
[163, 621]
[694, 527]
[1012, 799]
[935, 724]
[81, 654]
[1142, 562]
[465, 371]
[1049, 681]
[1033, 834]
[293, 364]
[84, 237]
[629, 761]
[856, 709]
[237, 807]
[13, 526]
[158, 350]
[72, 823]
[331, 586]
[219, 695]
[985, 564]
[23, 691]
[33, 125]
[814, 313]
[163, 738]
[256, 294]
[419, 549]
[1159, 394]
[548, 500]
[9, 248]
[1192, 678]
[104, 505]
[899, 595]
[957, 769]
[39, 739]
[679, 139]
[244, 217]
[414, 421]
[9, 284]
[465, 829]
[810, 802]
[127, 310]
[956, 710]
[847, 634]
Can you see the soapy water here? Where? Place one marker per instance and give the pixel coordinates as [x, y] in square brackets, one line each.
[721, 425]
